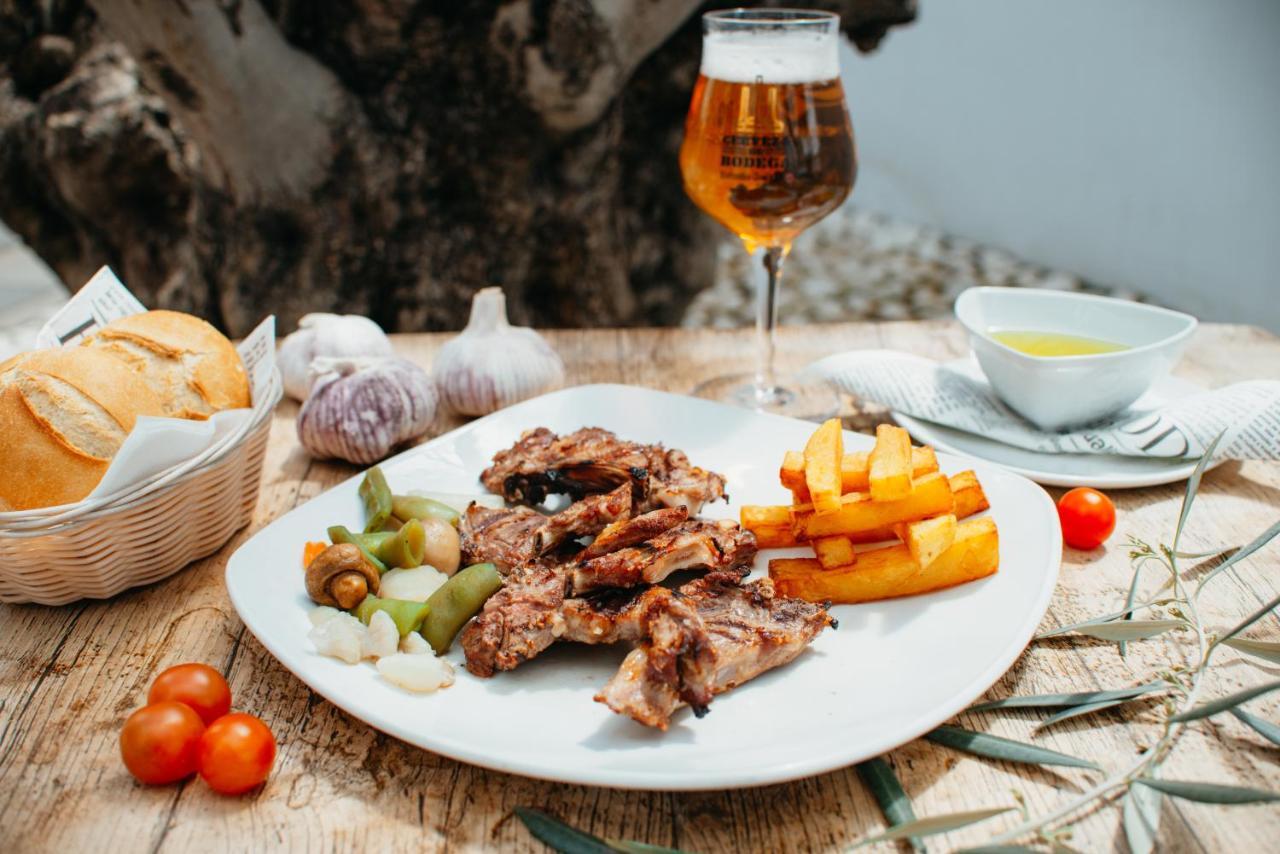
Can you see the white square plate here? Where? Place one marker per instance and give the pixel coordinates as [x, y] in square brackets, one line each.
[891, 672]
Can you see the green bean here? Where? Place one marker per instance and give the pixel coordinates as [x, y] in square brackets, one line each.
[408, 616]
[408, 507]
[340, 534]
[377, 499]
[458, 600]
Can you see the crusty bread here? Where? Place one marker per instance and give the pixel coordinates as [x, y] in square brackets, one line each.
[63, 415]
[191, 366]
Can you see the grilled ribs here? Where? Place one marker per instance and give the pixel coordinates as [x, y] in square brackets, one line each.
[694, 543]
[513, 536]
[518, 622]
[691, 644]
[533, 609]
[592, 460]
[740, 631]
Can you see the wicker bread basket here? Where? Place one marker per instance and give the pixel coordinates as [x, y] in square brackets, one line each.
[98, 548]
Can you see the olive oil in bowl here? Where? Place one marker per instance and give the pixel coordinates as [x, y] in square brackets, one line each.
[1053, 344]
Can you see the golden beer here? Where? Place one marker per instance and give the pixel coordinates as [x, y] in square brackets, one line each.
[768, 151]
[768, 160]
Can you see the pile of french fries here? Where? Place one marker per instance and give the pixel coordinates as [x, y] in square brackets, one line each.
[893, 492]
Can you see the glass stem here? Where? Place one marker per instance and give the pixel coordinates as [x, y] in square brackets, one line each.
[766, 321]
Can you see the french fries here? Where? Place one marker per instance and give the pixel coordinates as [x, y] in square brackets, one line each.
[770, 523]
[893, 492]
[927, 538]
[889, 466]
[860, 515]
[834, 551]
[854, 471]
[891, 571]
[822, 457]
[775, 537]
[970, 499]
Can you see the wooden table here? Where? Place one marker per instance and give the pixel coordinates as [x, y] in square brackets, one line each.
[70, 675]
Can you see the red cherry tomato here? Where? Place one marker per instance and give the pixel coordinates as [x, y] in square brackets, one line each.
[236, 753]
[198, 685]
[160, 743]
[1088, 518]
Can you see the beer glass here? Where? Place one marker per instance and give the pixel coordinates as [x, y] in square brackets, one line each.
[768, 151]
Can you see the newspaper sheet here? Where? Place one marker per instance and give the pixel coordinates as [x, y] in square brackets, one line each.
[1245, 414]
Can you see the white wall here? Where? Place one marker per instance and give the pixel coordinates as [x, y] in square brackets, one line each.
[1135, 143]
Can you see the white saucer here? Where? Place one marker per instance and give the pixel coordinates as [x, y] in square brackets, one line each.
[1104, 471]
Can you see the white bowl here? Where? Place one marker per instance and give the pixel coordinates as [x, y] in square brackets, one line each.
[1059, 392]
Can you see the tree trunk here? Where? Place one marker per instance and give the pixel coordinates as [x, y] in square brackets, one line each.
[380, 157]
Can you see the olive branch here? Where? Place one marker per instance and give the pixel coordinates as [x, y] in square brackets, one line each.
[1137, 785]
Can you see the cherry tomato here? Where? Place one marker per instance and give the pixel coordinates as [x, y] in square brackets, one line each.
[198, 685]
[236, 753]
[1088, 518]
[160, 743]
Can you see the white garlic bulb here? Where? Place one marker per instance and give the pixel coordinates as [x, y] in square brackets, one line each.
[360, 409]
[328, 335]
[492, 364]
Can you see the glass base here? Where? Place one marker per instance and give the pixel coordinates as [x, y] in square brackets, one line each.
[793, 397]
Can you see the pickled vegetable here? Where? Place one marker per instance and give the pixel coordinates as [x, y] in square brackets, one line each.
[377, 499]
[458, 600]
[340, 534]
[404, 549]
[406, 507]
[407, 616]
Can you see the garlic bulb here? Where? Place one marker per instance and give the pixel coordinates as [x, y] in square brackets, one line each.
[359, 409]
[492, 364]
[329, 335]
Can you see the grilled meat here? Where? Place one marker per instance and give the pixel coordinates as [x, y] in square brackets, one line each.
[590, 516]
[719, 545]
[502, 537]
[512, 536]
[609, 616]
[740, 631]
[518, 622]
[630, 532]
[593, 460]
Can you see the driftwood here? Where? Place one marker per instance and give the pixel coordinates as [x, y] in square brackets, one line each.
[384, 157]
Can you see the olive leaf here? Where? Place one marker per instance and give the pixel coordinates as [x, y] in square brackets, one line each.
[1076, 699]
[557, 835]
[1129, 630]
[1077, 711]
[1266, 729]
[999, 849]
[877, 775]
[1261, 540]
[627, 846]
[1128, 600]
[996, 747]
[1223, 703]
[1250, 620]
[1095, 621]
[1193, 488]
[1270, 650]
[1141, 816]
[934, 824]
[1210, 793]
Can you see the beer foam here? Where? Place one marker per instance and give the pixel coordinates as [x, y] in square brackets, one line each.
[770, 57]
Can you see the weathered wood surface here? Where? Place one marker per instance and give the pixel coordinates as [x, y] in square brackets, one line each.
[69, 676]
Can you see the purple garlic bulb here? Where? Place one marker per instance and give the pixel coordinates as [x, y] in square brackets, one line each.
[360, 409]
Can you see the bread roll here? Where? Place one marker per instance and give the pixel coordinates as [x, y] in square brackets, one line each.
[191, 366]
[63, 416]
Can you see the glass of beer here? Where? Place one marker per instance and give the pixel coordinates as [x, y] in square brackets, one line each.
[768, 151]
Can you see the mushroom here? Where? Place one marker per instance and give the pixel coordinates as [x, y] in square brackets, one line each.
[340, 576]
